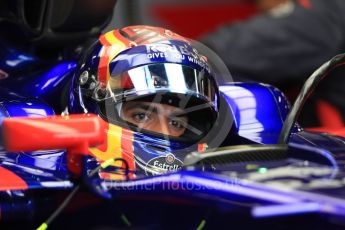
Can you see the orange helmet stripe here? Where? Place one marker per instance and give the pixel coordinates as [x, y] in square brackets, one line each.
[113, 43]
[119, 144]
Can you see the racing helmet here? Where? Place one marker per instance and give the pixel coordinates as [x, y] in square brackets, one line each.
[152, 70]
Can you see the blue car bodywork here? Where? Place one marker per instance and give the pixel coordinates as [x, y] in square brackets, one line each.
[307, 180]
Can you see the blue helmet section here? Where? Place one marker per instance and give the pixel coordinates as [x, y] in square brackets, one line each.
[154, 155]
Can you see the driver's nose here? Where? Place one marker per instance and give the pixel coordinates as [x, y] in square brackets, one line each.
[163, 126]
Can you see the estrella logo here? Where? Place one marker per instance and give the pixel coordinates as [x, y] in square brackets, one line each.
[163, 164]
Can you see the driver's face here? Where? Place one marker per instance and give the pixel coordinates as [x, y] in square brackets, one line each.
[155, 117]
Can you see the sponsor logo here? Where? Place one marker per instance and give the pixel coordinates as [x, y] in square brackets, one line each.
[177, 52]
[164, 48]
[163, 164]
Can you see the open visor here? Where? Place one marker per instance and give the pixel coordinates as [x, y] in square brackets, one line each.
[160, 78]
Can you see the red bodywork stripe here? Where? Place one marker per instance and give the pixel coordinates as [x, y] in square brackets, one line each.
[11, 181]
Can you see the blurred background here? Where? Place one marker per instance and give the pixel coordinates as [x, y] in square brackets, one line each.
[278, 42]
[294, 37]
[190, 18]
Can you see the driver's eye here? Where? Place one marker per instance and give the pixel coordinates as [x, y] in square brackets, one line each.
[140, 117]
[177, 124]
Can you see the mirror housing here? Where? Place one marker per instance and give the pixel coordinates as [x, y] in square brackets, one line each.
[76, 133]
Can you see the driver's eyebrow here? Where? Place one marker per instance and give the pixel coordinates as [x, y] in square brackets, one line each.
[192, 109]
[178, 115]
[142, 106]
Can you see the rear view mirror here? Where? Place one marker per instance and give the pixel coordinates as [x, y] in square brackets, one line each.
[76, 133]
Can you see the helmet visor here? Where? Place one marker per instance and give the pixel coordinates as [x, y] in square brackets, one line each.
[164, 98]
[160, 78]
